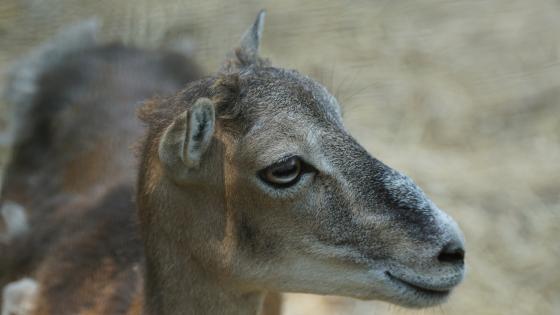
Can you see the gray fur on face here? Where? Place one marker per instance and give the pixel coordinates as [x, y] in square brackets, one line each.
[355, 208]
[349, 226]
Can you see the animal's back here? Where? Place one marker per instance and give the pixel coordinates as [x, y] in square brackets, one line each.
[73, 170]
[81, 124]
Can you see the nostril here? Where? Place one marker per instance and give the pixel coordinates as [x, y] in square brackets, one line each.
[452, 253]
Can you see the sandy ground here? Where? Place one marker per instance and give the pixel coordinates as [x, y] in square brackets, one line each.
[464, 96]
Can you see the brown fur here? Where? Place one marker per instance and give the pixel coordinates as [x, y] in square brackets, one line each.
[102, 256]
[214, 233]
[218, 234]
[75, 174]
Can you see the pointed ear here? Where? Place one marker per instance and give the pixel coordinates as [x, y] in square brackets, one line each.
[247, 53]
[185, 141]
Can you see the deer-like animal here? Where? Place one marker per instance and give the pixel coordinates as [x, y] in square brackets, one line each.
[249, 183]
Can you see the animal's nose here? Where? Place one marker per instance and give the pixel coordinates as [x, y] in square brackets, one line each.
[453, 252]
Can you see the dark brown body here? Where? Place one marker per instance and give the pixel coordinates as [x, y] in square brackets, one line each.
[249, 183]
[73, 169]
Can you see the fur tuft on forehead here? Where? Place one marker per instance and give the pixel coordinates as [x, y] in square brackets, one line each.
[226, 94]
[223, 90]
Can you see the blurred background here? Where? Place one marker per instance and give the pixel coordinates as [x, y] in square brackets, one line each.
[464, 96]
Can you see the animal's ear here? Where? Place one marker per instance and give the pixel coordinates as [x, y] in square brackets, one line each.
[247, 52]
[185, 141]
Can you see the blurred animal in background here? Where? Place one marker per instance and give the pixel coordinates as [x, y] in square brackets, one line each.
[248, 183]
[72, 171]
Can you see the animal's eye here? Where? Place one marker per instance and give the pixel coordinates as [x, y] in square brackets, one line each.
[283, 174]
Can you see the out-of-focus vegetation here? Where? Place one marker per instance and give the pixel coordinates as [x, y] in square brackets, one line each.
[464, 96]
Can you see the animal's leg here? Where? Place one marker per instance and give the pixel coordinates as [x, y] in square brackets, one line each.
[18, 298]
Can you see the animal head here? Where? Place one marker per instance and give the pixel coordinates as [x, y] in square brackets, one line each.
[253, 173]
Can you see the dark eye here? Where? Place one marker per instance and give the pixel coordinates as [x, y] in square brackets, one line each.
[283, 174]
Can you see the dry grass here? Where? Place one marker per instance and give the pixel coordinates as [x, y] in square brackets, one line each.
[462, 95]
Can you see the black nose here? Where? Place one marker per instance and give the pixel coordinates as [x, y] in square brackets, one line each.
[453, 252]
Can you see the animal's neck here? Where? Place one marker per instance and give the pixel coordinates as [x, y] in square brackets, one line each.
[187, 241]
[177, 284]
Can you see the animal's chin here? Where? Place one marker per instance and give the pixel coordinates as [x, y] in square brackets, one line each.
[417, 295]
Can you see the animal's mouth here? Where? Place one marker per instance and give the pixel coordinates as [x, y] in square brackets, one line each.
[423, 289]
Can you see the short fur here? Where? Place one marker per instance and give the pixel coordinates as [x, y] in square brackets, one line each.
[216, 237]
[73, 168]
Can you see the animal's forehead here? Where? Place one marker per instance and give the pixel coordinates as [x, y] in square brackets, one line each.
[272, 92]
